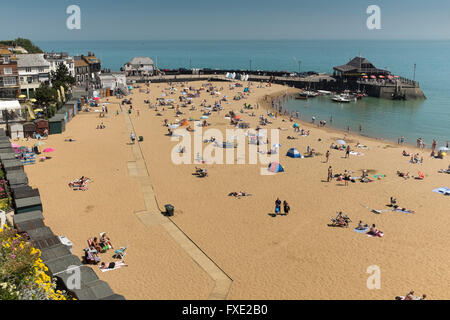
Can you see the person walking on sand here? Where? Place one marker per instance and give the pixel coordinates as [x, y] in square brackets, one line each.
[132, 137]
[286, 207]
[327, 155]
[347, 152]
[277, 206]
[360, 127]
[330, 174]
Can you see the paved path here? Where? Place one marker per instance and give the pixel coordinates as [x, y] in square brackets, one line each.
[153, 216]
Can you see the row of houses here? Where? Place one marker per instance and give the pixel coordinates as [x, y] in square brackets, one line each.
[22, 74]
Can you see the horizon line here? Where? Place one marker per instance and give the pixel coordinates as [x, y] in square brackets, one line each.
[284, 39]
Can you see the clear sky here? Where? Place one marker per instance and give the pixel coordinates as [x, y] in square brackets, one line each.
[224, 19]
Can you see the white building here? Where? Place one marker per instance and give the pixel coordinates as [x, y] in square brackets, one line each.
[33, 70]
[55, 59]
[112, 80]
[140, 66]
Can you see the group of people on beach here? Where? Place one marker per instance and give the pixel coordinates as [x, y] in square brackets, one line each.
[286, 207]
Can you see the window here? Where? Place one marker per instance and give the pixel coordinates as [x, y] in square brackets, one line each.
[30, 79]
[7, 70]
[9, 81]
[6, 59]
[27, 69]
[41, 70]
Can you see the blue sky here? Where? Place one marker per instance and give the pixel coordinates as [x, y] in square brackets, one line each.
[224, 19]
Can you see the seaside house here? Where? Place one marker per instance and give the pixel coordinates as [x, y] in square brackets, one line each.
[9, 76]
[140, 66]
[55, 59]
[33, 70]
[94, 67]
[112, 80]
[82, 73]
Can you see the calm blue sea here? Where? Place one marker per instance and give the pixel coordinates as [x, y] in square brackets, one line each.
[380, 118]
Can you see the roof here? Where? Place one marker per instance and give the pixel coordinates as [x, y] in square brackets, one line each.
[359, 64]
[5, 51]
[92, 59]
[141, 60]
[81, 63]
[32, 60]
[10, 105]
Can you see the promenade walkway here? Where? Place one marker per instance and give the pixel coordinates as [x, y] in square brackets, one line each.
[153, 216]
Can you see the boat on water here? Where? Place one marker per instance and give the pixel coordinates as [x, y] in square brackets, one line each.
[341, 98]
[309, 94]
[299, 97]
[324, 92]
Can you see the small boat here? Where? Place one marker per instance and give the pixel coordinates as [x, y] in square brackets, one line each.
[301, 98]
[341, 98]
[324, 92]
[309, 94]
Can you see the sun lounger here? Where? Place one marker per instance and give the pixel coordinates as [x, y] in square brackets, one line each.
[120, 253]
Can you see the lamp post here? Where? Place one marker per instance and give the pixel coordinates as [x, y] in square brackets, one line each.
[299, 64]
[414, 77]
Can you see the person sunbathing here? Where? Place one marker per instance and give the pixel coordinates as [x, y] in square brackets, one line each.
[96, 245]
[374, 231]
[403, 175]
[362, 226]
[405, 154]
[105, 242]
[113, 265]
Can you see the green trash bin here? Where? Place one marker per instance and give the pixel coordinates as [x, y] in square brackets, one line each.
[169, 210]
[141, 138]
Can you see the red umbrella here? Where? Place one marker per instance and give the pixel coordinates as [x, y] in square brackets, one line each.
[373, 77]
[96, 98]
[365, 77]
[237, 117]
[390, 77]
[396, 77]
[49, 150]
[381, 77]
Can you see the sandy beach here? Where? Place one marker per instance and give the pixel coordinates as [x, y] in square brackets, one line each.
[297, 256]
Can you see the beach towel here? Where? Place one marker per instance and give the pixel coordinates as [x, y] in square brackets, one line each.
[379, 234]
[445, 191]
[402, 211]
[117, 265]
[361, 230]
[378, 176]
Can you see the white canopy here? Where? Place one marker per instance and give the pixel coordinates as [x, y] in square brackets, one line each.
[10, 105]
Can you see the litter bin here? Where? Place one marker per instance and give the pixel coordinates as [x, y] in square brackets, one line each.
[169, 210]
[141, 138]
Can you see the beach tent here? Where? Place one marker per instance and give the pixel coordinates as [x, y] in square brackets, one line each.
[275, 167]
[296, 125]
[293, 153]
[184, 122]
[341, 142]
[443, 149]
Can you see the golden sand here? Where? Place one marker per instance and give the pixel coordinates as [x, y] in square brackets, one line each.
[284, 257]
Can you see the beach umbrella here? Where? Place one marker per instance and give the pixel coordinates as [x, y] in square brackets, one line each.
[381, 77]
[341, 142]
[184, 122]
[49, 150]
[275, 167]
[296, 125]
[39, 143]
[96, 98]
[38, 110]
[33, 100]
[421, 175]
[443, 149]
[204, 117]
[390, 77]
[14, 145]
[396, 77]
[277, 145]
[293, 153]
[365, 77]
[174, 126]
[373, 77]
[237, 117]
[22, 96]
